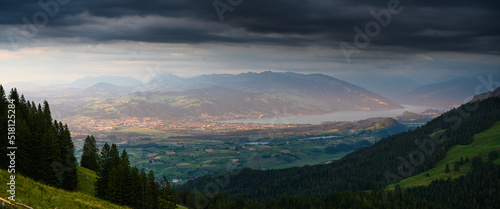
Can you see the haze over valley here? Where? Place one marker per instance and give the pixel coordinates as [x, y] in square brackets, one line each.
[237, 104]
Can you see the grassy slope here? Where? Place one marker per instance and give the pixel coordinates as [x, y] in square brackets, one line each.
[483, 143]
[38, 195]
[86, 180]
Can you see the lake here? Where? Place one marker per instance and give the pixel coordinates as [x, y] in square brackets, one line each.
[336, 116]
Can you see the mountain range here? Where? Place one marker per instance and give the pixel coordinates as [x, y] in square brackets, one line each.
[450, 93]
[387, 86]
[250, 94]
[218, 96]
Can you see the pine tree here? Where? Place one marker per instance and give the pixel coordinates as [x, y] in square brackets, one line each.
[135, 184]
[108, 176]
[124, 179]
[39, 166]
[477, 162]
[145, 190]
[113, 189]
[154, 190]
[114, 155]
[51, 171]
[101, 184]
[167, 199]
[456, 167]
[46, 116]
[90, 154]
[14, 96]
[70, 178]
[447, 169]
[4, 162]
[25, 148]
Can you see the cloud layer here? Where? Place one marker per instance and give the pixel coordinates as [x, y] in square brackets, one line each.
[460, 25]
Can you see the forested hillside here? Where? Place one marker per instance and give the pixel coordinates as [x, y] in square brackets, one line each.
[35, 146]
[370, 168]
[44, 151]
[119, 183]
[479, 189]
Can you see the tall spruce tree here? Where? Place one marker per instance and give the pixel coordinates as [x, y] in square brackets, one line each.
[67, 150]
[90, 154]
[125, 179]
[102, 173]
[114, 155]
[4, 162]
[112, 187]
[154, 190]
[145, 193]
[107, 186]
[167, 198]
[135, 184]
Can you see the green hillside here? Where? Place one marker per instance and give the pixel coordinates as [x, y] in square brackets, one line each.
[38, 195]
[483, 143]
[42, 196]
[86, 180]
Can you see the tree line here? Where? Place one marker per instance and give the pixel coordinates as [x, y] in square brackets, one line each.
[45, 151]
[122, 184]
[354, 200]
[479, 189]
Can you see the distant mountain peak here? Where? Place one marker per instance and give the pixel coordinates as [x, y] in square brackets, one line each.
[103, 85]
[479, 97]
[450, 93]
[389, 122]
[89, 81]
[163, 78]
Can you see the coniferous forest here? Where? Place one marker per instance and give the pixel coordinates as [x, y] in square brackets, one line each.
[122, 184]
[478, 189]
[45, 151]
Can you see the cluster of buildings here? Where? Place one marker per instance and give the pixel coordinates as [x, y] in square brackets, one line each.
[85, 125]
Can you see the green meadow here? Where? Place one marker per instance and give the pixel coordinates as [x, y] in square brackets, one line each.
[483, 143]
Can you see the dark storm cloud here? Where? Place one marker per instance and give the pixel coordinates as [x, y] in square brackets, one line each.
[460, 25]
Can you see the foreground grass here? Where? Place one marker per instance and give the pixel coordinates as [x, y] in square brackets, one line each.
[38, 195]
[86, 180]
[483, 143]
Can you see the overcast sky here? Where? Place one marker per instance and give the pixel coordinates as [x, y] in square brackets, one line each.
[69, 39]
